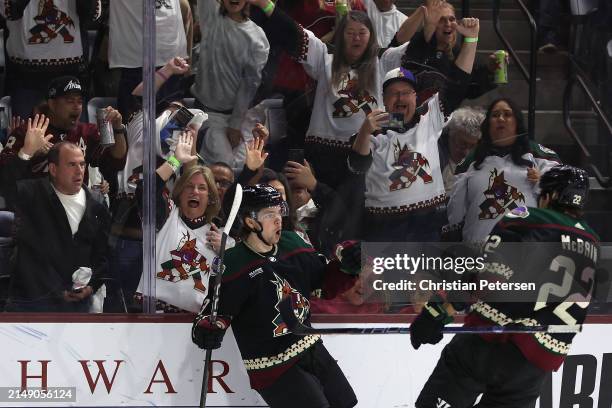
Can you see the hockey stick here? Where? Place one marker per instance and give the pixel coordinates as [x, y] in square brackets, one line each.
[217, 286]
[299, 329]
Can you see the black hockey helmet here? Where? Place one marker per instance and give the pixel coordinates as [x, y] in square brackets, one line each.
[259, 196]
[570, 183]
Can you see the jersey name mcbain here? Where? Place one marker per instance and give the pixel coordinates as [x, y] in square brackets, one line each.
[580, 247]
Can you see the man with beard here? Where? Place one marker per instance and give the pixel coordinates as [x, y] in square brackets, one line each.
[63, 109]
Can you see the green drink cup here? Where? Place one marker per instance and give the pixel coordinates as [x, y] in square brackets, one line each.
[501, 70]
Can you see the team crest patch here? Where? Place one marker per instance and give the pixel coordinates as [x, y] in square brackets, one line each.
[409, 165]
[185, 262]
[352, 100]
[301, 305]
[500, 197]
[518, 212]
[51, 23]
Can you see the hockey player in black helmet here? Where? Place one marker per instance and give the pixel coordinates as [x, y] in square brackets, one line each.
[268, 265]
[509, 369]
[267, 199]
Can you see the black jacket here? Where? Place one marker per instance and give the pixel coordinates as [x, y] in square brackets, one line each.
[47, 253]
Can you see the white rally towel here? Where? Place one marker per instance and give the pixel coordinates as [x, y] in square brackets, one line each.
[80, 279]
[183, 264]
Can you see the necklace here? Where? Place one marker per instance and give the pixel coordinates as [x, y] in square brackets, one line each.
[271, 258]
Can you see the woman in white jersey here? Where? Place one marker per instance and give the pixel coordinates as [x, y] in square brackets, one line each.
[349, 82]
[499, 175]
[186, 234]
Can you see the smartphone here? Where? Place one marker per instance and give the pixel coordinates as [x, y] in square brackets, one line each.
[296, 155]
[181, 117]
[396, 120]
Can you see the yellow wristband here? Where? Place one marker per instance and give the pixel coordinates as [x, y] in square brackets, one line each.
[470, 39]
[269, 7]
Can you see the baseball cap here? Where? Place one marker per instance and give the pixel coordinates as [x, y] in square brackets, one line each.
[399, 74]
[64, 85]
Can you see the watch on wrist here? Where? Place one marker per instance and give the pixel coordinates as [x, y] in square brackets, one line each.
[24, 156]
[119, 130]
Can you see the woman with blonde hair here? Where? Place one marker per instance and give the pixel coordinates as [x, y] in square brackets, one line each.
[184, 250]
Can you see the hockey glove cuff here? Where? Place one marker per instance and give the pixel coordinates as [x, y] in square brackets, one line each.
[207, 335]
[428, 325]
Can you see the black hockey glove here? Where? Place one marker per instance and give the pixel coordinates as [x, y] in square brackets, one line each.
[207, 335]
[428, 325]
[349, 255]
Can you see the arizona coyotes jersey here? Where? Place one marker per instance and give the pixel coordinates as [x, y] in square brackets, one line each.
[405, 174]
[47, 36]
[339, 111]
[560, 254]
[481, 197]
[253, 286]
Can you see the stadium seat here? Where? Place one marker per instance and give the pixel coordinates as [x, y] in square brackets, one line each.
[5, 101]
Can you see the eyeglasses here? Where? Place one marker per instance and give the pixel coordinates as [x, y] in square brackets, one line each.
[355, 34]
[508, 114]
[223, 183]
[401, 94]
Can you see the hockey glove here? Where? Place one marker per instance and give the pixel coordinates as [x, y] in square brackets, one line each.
[207, 335]
[349, 255]
[427, 327]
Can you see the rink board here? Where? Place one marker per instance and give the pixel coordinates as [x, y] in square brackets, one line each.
[155, 364]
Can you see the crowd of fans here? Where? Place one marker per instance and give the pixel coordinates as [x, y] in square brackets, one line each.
[374, 145]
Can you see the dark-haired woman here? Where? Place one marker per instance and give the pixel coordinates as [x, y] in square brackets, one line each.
[499, 175]
[348, 82]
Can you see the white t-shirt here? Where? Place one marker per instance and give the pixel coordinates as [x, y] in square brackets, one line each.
[338, 113]
[126, 29]
[74, 205]
[482, 197]
[405, 174]
[386, 23]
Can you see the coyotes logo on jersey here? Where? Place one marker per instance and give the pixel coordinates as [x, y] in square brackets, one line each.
[162, 3]
[409, 165]
[185, 262]
[500, 196]
[351, 101]
[50, 22]
[301, 305]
